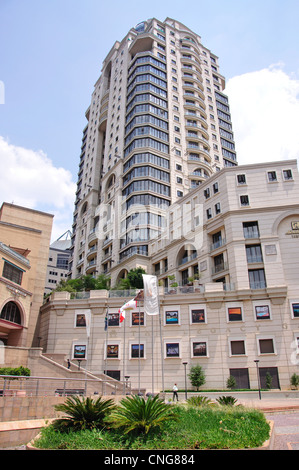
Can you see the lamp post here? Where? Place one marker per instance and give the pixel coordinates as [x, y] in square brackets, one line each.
[127, 378]
[185, 366]
[258, 377]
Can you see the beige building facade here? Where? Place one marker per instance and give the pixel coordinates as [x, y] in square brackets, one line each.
[227, 265]
[24, 247]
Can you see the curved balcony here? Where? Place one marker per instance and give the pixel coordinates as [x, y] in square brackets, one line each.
[91, 266]
[193, 139]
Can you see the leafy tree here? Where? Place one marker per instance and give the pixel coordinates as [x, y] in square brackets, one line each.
[84, 283]
[197, 376]
[140, 415]
[83, 413]
[135, 277]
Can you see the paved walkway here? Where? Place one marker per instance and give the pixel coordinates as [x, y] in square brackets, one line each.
[286, 430]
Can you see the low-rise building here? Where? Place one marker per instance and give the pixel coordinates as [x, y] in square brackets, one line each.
[24, 247]
[227, 265]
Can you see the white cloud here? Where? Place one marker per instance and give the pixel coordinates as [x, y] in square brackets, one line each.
[265, 115]
[29, 178]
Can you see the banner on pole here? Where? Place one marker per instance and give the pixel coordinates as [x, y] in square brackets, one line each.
[151, 302]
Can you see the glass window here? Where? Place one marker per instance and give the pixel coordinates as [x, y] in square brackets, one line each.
[266, 346]
[137, 351]
[257, 279]
[237, 348]
[251, 230]
[12, 273]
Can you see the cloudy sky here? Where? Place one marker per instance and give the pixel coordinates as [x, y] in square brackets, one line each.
[51, 56]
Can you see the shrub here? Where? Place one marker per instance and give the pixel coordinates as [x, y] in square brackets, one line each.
[83, 413]
[137, 414]
[231, 382]
[17, 371]
[199, 401]
[227, 401]
[295, 380]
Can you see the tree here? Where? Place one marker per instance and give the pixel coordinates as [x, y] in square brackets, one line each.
[197, 376]
[84, 283]
[231, 382]
[135, 277]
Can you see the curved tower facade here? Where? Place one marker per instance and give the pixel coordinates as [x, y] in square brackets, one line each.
[159, 125]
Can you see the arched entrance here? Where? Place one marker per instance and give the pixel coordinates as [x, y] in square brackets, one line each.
[11, 323]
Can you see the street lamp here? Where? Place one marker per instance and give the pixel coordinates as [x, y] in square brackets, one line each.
[258, 377]
[185, 366]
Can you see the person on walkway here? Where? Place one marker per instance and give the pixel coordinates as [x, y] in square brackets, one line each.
[175, 392]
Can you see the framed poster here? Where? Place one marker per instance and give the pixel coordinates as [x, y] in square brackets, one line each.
[79, 351]
[80, 321]
[172, 349]
[262, 312]
[135, 318]
[199, 349]
[171, 317]
[112, 351]
[295, 309]
[197, 315]
[234, 313]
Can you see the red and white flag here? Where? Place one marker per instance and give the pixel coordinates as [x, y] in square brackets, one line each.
[130, 305]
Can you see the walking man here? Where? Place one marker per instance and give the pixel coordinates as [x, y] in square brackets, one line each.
[175, 392]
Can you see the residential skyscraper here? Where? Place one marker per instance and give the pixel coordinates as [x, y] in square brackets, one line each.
[158, 126]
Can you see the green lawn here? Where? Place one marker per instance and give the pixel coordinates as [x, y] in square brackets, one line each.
[206, 427]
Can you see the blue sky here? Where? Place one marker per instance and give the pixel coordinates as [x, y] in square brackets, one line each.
[51, 55]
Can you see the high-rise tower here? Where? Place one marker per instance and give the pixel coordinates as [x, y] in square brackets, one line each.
[158, 125]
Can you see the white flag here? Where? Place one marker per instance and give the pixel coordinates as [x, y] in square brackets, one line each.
[151, 303]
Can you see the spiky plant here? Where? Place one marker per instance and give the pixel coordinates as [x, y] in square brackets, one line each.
[137, 414]
[199, 401]
[83, 413]
[226, 401]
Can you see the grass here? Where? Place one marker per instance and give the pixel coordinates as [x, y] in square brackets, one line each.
[206, 427]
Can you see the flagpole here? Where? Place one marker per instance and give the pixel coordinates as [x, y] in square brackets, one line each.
[124, 357]
[107, 325]
[139, 350]
[152, 353]
[161, 340]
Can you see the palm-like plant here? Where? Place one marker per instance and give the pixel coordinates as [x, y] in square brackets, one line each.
[199, 401]
[226, 401]
[84, 413]
[137, 414]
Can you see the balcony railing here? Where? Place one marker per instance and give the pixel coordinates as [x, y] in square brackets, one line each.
[219, 268]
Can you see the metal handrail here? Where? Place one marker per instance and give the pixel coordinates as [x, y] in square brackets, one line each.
[12, 385]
